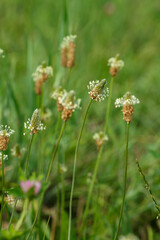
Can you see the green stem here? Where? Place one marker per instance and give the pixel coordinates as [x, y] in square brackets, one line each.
[55, 151]
[74, 169]
[91, 188]
[108, 105]
[46, 227]
[62, 204]
[14, 208]
[24, 212]
[98, 157]
[28, 154]
[46, 180]
[2, 192]
[124, 183]
[148, 188]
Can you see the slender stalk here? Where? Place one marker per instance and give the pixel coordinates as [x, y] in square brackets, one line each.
[124, 183]
[46, 180]
[46, 227]
[62, 204]
[148, 187]
[91, 188]
[108, 105]
[74, 169]
[98, 157]
[55, 151]
[24, 212]
[2, 192]
[14, 208]
[28, 154]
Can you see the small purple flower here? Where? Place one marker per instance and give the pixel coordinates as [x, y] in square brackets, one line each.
[27, 185]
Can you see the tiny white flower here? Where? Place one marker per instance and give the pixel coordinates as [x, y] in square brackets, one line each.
[43, 71]
[114, 62]
[34, 124]
[67, 39]
[98, 90]
[5, 157]
[6, 131]
[127, 99]
[68, 101]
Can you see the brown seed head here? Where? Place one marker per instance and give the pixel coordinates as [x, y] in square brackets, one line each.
[113, 71]
[128, 111]
[64, 51]
[71, 54]
[38, 86]
[4, 142]
[66, 114]
[59, 106]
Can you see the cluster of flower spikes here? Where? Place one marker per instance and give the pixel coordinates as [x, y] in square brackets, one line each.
[5, 133]
[127, 102]
[115, 65]
[68, 51]
[100, 138]
[34, 124]
[66, 102]
[41, 75]
[98, 90]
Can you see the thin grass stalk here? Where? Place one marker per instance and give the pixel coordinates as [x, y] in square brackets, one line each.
[74, 169]
[28, 154]
[23, 214]
[46, 227]
[55, 151]
[14, 208]
[2, 203]
[98, 157]
[148, 188]
[62, 203]
[124, 182]
[46, 180]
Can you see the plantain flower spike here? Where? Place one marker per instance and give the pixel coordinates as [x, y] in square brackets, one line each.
[100, 138]
[68, 51]
[115, 65]
[69, 104]
[98, 90]
[127, 102]
[58, 94]
[5, 133]
[34, 124]
[41, 75]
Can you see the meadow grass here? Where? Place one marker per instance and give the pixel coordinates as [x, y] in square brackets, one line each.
[31, 32]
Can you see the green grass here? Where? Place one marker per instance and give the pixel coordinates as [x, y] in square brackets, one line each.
[32, 31]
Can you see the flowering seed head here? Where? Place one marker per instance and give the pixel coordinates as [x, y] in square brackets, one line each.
[115, 65]
[58, 94]
[67, 40]
[69, 103]
[5, 133]
[100, 138]
[10, 199]
[127, 102]
[42, 72]
[127, 99]
[34, 125]
[68, 51]
[98, 90]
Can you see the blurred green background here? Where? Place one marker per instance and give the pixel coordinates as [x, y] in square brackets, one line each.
[30, 32]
